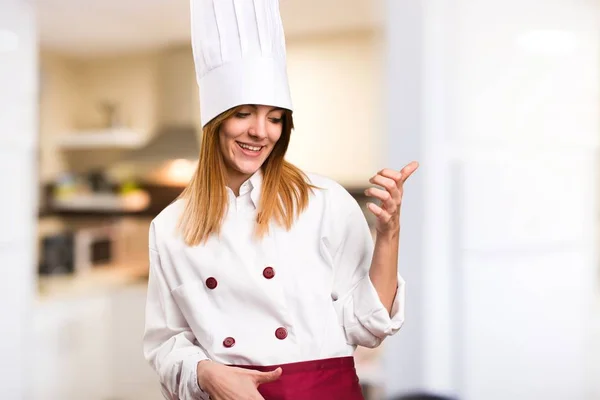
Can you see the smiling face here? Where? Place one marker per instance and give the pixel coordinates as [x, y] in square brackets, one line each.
[246, 140]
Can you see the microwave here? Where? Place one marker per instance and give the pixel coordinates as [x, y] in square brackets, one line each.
[121, 242]
[77, 251]
[95, 246]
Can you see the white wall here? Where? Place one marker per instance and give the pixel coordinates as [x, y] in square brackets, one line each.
[336, 90]
[59, 95]
[18, 155]
[404, 356]
[498, 243]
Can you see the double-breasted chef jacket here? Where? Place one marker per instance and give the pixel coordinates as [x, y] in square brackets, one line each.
[293, 296]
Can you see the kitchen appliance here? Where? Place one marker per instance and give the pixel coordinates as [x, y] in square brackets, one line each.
[81, 249]
[95, 246]
[57, 255]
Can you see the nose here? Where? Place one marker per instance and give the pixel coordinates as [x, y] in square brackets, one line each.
[258, 128]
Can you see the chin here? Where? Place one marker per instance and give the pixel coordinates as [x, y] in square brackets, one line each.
[248, 169]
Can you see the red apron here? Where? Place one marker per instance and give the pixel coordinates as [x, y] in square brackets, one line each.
[329, 379]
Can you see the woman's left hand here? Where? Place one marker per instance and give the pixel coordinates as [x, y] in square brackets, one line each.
[388, 213]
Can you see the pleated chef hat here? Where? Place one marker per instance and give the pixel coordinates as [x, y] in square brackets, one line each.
[239, 53]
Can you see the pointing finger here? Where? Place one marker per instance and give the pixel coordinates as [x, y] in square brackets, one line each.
[408, 170]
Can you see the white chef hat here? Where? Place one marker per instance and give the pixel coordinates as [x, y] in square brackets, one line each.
[240, 56]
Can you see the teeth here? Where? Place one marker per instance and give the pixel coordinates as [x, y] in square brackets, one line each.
[252, 148]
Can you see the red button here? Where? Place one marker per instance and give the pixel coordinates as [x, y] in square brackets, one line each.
[229, 342]
[211, 283]
[281, 333]
[269, 272]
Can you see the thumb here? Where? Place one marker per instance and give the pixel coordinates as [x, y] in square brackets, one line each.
[265, 377]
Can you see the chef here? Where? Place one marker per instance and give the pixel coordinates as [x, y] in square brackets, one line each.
[264, 278]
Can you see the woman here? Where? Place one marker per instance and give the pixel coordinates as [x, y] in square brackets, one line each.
[264, 279]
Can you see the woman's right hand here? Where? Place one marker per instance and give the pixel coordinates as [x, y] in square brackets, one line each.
[222, 382]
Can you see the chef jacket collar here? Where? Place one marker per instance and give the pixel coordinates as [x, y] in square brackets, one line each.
[254, 186]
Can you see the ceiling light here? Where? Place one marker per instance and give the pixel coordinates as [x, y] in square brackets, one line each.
[179, 172]
[9, 41]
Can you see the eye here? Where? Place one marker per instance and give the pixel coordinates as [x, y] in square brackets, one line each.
[242, 115]
[276, 120]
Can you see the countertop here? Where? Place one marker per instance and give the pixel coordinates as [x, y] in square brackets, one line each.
[97, 281]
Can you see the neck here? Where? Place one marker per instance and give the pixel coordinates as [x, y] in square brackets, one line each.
[235, 180]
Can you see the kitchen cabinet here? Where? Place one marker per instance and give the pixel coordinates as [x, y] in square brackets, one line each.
[131, 376]
[90, 347]
[68, 356]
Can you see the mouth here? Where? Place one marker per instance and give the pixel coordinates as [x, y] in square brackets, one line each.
[248, 149]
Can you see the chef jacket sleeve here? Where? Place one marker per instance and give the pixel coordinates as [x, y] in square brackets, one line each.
[168, 341]
[365, 319]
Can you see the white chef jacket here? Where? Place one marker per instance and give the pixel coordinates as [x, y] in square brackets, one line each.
[293, 296]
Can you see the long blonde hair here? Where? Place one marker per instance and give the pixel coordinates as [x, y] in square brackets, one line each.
[284, 196]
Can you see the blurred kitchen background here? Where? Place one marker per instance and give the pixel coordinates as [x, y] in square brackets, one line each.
[498, 101]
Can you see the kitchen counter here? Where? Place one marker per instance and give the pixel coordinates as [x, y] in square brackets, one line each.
[98, 281]
[87, 335]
